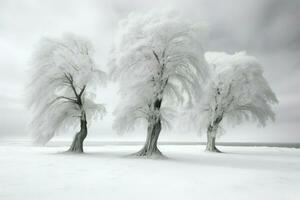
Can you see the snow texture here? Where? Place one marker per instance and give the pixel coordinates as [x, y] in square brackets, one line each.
[105, 172]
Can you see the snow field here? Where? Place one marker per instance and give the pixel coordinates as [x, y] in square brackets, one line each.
[106, 172]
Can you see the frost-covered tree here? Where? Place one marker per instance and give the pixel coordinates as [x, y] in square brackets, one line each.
[237, 91]
[159, 62]
[64, 75]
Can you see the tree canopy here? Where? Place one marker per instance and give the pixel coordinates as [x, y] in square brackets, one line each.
[237, 92]
[156, 56]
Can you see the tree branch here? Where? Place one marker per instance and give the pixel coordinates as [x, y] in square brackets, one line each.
[63, 97]
[82, 90]
[156, 56]
[70, 79]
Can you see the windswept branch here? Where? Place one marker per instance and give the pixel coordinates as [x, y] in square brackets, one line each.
[63, 97]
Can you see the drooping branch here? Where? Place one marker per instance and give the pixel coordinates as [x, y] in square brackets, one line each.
[67, 98]
[229, 90]
[63, 97]
[62, 45]
[74, 66]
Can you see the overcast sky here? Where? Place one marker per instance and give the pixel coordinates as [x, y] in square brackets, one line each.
[267, 29]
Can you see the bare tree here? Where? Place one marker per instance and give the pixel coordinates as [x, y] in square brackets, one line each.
[63, 71]
[237, 92]
[158, 60]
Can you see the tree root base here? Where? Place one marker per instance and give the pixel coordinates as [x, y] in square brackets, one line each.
[75, 151]
[144, 153]
[214, 150]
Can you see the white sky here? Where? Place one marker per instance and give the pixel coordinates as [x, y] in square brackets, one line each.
[267, 29]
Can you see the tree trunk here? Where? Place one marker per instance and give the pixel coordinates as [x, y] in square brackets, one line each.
[150, 148]
[153, 131]
[77, 144]
[211, 140]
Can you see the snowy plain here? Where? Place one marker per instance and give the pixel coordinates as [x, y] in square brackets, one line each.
[106, 172]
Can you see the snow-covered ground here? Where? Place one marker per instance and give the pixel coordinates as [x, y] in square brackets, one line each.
[105, 172]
